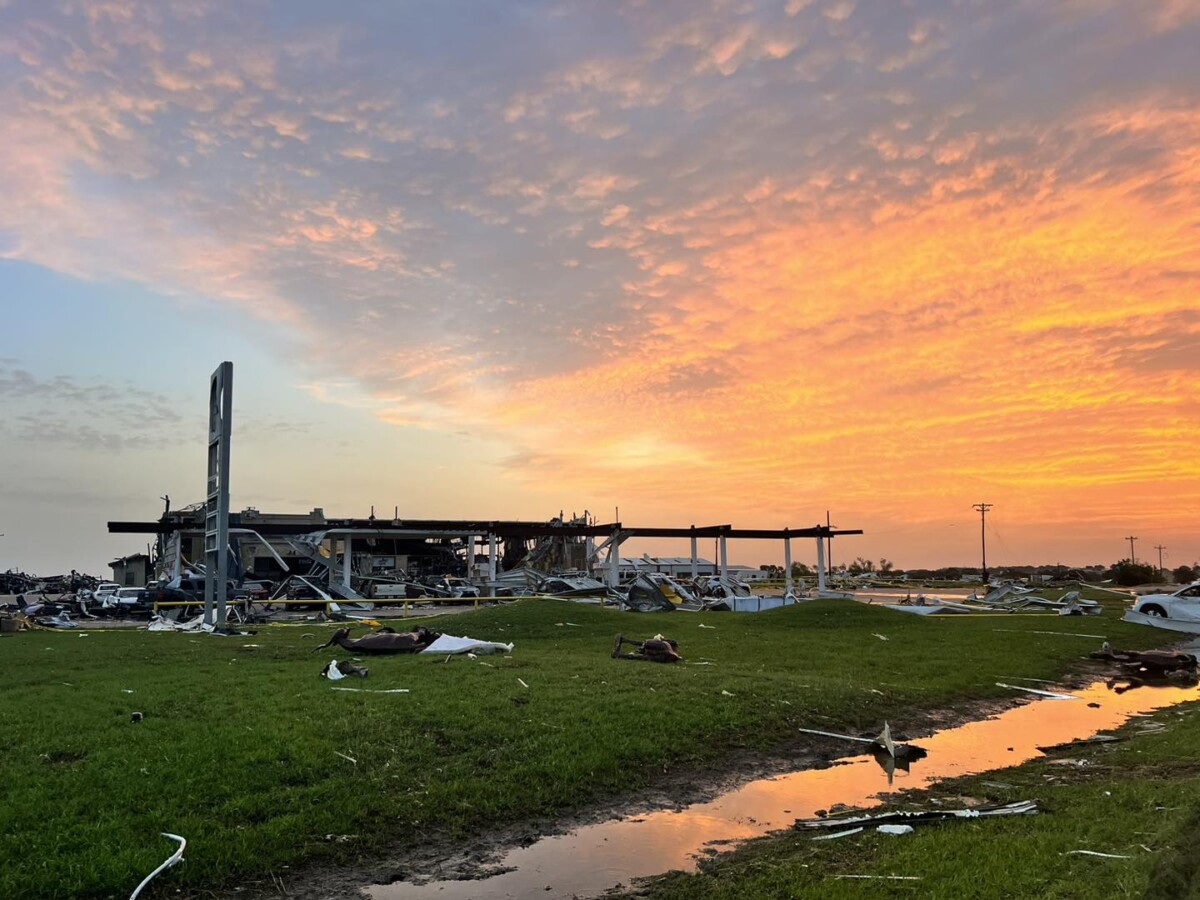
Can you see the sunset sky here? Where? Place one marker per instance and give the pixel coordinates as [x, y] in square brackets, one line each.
[707, 262]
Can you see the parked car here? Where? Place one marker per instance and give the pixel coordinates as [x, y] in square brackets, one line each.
[450, 586]
[1183, 604]
[105, 590]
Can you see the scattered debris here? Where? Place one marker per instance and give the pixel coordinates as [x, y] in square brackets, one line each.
[883, 741]
[1147, 662]
[384, 641]
[894, 829]
[1095, 853]
[171, 860]
[838, 834]
[1181, 625]
[1082, 742]
[372, 691]
[657, 649]
[162, 623]
[336, 671]
[1056, 633]
[344, 756]
[925, 606]
[1023, 807]
[1050, 694]
[451, 645]
[136, 717]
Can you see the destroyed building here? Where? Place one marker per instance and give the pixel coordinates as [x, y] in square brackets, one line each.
[133, 570]
[348, 558]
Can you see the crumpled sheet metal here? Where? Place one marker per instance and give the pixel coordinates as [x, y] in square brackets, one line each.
[843, 823]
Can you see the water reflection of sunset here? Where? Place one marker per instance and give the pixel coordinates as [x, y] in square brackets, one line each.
[596, 857]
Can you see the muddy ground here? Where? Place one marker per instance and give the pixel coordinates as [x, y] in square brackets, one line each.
[442, 858]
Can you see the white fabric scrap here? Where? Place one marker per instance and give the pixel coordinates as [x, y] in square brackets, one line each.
[451, 645]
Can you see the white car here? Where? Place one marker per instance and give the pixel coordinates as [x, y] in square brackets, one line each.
[105, 590]
[1184, 604]
[128, 596]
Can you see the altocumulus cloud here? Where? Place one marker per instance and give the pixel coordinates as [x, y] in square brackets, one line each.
[711, 217]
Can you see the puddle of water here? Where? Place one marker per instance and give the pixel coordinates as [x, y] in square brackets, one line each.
[594, 858]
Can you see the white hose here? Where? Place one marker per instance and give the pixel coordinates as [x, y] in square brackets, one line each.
[175, 857]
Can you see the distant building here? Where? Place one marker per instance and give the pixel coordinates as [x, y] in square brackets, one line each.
[131, 571]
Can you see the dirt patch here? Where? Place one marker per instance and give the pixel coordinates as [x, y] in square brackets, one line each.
[444, 858]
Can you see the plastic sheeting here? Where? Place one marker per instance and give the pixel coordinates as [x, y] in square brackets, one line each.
[449, 645]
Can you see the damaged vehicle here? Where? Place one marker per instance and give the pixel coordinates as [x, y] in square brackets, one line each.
[449, 586]
[1183, 604]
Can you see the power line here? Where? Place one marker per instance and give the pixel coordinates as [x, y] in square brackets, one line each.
[983, 509]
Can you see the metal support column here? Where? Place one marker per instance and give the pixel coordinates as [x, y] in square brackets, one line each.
[470, 556]
[787, 564]
[820, 564]
[614, 560]
[347, 554]
[724, 557]
[695, 563]
[491, 556]
[216, 507]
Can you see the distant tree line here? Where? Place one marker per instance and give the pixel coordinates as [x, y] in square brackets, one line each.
[1124, 572]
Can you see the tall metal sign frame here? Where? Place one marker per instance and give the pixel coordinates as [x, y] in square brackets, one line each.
[216, 507]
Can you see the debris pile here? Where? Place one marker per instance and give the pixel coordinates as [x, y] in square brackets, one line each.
[1149, 668]
[844, 826]
[656, 649]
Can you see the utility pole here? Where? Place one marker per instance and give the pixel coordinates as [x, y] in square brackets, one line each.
[983, 509]
[1160, 548]
[1132, 558]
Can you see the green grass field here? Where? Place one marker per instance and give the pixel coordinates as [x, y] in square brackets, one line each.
[252, 757]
